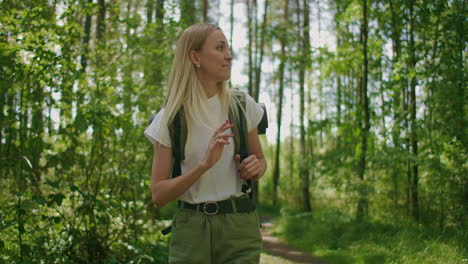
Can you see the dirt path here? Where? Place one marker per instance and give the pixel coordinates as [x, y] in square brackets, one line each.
[278, 252]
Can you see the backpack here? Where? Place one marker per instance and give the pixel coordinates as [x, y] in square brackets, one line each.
[178, 134]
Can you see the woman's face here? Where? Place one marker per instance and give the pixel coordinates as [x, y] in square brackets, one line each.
[215, 58]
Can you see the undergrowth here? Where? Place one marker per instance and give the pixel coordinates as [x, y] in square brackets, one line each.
[337, 238]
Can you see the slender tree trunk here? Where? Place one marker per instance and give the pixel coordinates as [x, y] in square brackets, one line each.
[413, 134]
[276, 172]
[260, 60]
[37, 128]
[382, 102]
[460, 106]
[249, 51]
[86, 38]
[258, 63]
[362, 208]
[100, 24]
[231, 33]
[305, 60]
[291, 129]
[397, 105]
[205, 10]
[149, 11]
[159, 11]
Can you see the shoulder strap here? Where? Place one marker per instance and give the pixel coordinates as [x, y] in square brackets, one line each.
[240, 127]
[241, 135]
[178, 134]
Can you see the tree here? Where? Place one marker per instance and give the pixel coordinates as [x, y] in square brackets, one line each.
[304, 64]
[281, 76]
[363, 114]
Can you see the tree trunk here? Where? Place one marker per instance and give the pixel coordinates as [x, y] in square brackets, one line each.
[100, 23]
[231, 33]
[291, 127]
[305, 60]
[159, 11]
[258, 67]
[37, 132]
[276, 172]
[86, 38]
[249, 51]
[397, 108]
[149, 11]
[362, 208]
[413, 133]
[205, 10]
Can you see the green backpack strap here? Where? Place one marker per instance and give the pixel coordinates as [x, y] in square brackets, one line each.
[178, 133]
[241, 135]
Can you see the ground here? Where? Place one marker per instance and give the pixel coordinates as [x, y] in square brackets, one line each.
[277, 252]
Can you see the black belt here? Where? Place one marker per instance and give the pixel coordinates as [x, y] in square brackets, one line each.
[242, 205]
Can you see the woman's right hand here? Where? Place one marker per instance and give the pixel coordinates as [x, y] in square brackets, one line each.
[216, 144]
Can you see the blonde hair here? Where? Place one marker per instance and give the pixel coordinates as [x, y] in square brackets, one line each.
[184, 88]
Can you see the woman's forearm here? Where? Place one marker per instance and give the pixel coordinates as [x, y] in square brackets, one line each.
[168, 190]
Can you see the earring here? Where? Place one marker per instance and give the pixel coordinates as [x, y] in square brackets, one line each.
[198, 66]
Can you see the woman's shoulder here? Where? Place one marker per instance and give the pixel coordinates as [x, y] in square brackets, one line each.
[156, 116]
[157, 130]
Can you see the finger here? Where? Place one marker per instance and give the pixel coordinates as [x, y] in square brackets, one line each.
[226, 127]
[251, 174]
[219, 132]
[220, 128]
[256, 178]
[222, 142]
[251, 164]
[253, 169]
[224, 136]
[244, 174]
[243, 168]
[246, 161]
[237, 157]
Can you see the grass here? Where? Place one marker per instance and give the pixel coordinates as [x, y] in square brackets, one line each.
[336, 238]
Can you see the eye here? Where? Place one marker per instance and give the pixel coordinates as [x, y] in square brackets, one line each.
[220, 47]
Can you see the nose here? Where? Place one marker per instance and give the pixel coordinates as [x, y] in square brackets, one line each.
[229, 55]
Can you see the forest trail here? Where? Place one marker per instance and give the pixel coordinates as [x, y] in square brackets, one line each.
[276, 252]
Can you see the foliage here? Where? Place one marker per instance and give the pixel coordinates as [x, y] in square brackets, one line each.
[79, 80]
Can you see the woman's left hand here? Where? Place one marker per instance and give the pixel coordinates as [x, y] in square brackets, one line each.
[251, 168]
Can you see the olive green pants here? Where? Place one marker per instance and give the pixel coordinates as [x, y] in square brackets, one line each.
[215, 239]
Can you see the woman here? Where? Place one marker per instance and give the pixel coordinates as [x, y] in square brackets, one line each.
[215, 222]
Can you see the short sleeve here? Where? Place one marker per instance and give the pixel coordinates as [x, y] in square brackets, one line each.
[254, 113]
[158, 131]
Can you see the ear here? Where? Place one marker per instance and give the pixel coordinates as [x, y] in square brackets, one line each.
[194, 57]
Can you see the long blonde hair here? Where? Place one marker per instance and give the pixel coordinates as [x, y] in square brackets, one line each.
[184, 88]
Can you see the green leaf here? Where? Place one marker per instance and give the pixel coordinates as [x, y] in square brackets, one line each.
[52, 183]
[57, 198]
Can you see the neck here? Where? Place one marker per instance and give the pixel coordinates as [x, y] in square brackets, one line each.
[210, 87]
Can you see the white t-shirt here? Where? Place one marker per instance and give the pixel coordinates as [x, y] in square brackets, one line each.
[222, 180]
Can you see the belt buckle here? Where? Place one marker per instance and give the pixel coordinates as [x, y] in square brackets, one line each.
[207, 210]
